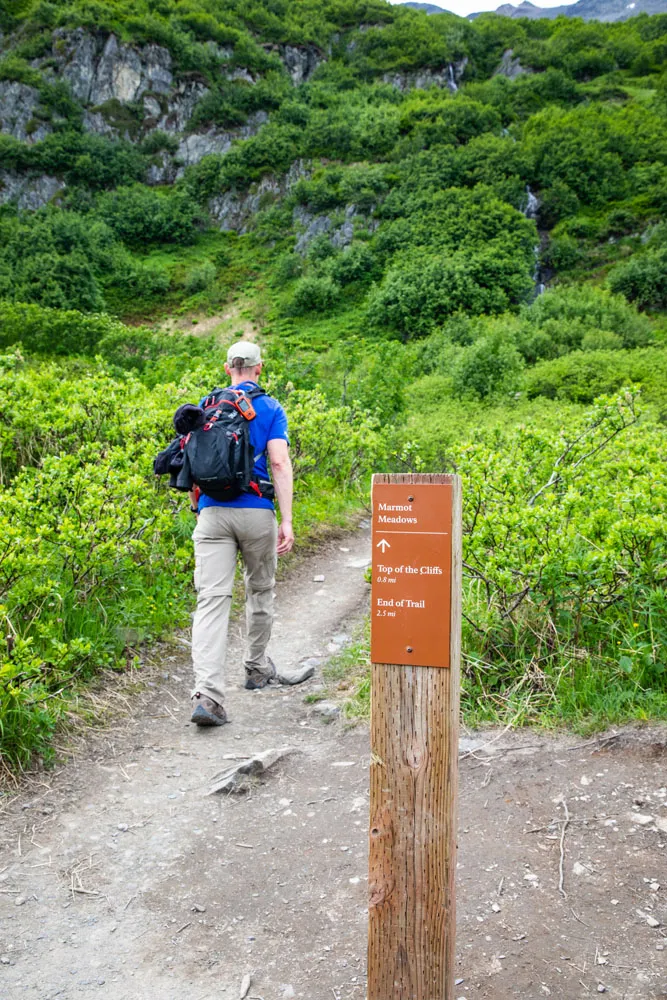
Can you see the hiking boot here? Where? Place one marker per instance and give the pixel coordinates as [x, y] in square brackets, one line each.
[256, 678]
[206, 712]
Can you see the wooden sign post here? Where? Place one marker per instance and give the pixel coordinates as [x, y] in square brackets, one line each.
[415, 653]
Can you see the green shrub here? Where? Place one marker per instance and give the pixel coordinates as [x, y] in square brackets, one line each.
[588, 307]
[642, 279]
[200, 278]
[562, 253]
[601, 340]
[313, 295]
[357, 263]
[490, 366]
[53, 331]
[423, 291]
[582, 376]
[140, 215]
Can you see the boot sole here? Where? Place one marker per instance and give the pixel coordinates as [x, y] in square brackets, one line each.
[201, 717]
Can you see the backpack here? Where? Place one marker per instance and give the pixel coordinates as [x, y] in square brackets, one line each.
[219, 453]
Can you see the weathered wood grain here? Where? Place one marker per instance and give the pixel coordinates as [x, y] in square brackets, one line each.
[412, 852]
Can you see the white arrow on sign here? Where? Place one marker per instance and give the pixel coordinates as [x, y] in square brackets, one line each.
[383, 544]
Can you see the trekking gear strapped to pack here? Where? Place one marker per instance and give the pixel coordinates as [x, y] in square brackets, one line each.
[214, 450]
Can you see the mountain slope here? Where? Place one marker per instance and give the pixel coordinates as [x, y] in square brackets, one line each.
[428, 8]
[589, 10]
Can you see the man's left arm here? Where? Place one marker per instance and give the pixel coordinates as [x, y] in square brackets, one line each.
[283, 481]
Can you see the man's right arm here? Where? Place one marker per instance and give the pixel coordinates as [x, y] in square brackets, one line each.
[281, 474]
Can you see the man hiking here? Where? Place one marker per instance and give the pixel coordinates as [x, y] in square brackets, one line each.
[247, 524]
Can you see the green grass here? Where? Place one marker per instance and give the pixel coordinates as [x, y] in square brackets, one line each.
[584, 695]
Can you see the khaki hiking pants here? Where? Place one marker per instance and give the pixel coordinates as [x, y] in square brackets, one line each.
[220, 534]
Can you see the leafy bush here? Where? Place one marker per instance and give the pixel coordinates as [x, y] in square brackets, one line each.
[53, 331]
[489, 366]
[200, 278]
[582, 376]
[313, 295]
[588, 307]
[642, 279]
[140, 215]
[424, 291]
[357, 263]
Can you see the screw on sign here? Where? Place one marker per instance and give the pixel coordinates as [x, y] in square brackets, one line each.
[415, 633]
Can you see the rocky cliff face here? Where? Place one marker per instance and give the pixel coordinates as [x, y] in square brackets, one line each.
[232, 210]
[510, 66]
[99, 68]
[129, 91]
[18, 104]
[447, 78]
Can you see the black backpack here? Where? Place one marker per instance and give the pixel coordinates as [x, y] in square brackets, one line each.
[219, 453]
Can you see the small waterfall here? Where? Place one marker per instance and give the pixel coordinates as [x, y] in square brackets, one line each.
[532, 204]
[451, 79]
[539, 274]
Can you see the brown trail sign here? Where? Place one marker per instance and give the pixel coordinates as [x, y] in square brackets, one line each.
[416, 627]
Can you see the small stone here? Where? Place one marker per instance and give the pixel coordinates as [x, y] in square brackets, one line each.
[601, 988]
[652, 922]
[654, 886]
[197, 908]
[123, 827]
[640, 819]
[529, 877]
[585, 780]
[4, 959]
[19, 901]
[327, 709]
[302, 673]
[319, 578]
[495, 907]
[660, 946]
[311, 661]
[579, 869]
[661, 824]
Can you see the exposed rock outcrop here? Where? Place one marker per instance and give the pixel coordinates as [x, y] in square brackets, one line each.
[510, 66]
[175, 113]
[232, 210]
[448, 78]
[300, 62]
[18, 104]
[340, 233]
[99, 68]
[29, 193]
[196, 146]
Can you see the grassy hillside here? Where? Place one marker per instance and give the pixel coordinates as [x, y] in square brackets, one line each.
[448, 236]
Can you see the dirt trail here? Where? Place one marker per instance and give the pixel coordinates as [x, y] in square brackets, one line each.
[179, 894]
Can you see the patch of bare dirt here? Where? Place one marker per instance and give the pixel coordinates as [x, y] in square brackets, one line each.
[122, 879]
[234, 321]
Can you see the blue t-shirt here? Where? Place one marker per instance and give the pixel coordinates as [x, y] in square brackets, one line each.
[270, 424]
